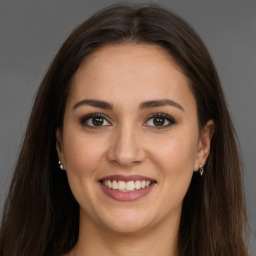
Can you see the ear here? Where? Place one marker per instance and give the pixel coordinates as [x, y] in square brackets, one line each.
[204, 144]
[59, 145]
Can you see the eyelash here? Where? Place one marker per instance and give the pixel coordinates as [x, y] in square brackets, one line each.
[171, 121]
[166, 117]
[85, 119]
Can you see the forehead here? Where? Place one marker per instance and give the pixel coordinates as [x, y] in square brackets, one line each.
[129, 56]
[117, 72]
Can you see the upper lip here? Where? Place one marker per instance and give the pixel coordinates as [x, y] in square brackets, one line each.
[126, 178]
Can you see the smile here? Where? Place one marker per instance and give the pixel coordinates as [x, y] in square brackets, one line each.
[126, 186]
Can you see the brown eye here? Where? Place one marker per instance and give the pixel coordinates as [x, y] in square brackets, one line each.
[159, 121]
[95, 121]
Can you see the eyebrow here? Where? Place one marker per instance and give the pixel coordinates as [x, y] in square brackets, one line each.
[94, 103]
[143, 105]
[160, 103]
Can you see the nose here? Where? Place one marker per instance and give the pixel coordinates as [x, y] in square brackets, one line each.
[126, 148]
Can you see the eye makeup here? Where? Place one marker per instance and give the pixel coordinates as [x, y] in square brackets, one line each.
[155, 121]
[159, 121]
[95, 121]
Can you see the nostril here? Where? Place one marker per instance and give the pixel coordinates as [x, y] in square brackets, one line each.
[126, 156]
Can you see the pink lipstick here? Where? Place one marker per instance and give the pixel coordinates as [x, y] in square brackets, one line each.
[126, 188]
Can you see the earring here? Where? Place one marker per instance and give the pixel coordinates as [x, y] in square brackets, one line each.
[61, 166]
[201, 169]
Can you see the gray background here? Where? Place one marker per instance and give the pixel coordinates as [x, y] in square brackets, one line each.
[32, 31]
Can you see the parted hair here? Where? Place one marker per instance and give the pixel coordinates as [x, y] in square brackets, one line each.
[41, 216]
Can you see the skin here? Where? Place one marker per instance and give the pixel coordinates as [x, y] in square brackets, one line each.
[128, 142]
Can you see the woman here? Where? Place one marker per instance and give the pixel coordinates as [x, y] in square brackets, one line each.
[130, 149]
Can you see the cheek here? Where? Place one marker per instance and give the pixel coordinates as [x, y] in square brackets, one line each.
[175, 158]
[178, 169]
[82, 154]
[175, 154]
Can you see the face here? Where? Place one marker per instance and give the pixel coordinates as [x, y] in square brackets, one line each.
[130, 140]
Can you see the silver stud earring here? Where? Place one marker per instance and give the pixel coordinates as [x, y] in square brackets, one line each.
[61, 166]
[201, 169]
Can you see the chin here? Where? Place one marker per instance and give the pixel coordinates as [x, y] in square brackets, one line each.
[127, 222]
[130, 227]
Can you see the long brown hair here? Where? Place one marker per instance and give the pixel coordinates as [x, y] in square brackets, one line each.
[41, 215]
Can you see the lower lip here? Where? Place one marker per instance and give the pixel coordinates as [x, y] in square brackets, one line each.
[126, 196]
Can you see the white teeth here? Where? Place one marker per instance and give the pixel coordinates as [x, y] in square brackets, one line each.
[114, 184]
[126, 186]
[109, 184]
[137, 184]
[121, 185]
[130, 186]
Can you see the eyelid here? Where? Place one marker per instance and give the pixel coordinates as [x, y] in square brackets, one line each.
[92, 115]
[171, 120]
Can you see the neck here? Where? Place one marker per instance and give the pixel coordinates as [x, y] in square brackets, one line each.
[159, 240]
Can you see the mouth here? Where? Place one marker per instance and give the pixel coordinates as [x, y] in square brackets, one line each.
[126, 188]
